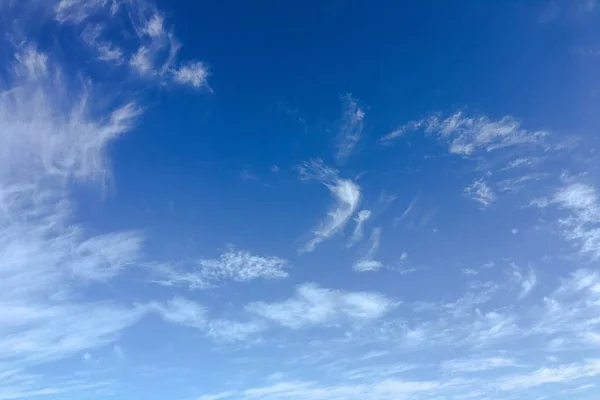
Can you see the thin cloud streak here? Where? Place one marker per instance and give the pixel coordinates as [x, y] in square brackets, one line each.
[345, 193]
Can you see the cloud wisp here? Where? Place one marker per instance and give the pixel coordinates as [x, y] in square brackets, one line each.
[367, 262]
[469, 135]
[351, 128]
[346, 194]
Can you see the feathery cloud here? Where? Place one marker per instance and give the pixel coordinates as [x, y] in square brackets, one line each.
[345, 193]
[478, 364]
[560, 374]
[151, 49]
[582, 225]
[467, 135]
[56, 128]
[313, 305]
[526, 281]
[194, 74]
[480, 192]
[367, 263]
[360, 219]
[351, 128]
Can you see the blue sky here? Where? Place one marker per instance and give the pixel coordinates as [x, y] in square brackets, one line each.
[318, 200]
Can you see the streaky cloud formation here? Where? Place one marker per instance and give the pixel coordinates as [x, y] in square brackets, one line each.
[361, 217]
[351, 128]
[480, 192]
[367, 263]
[346, 194]
[468, 135]
[313, 305]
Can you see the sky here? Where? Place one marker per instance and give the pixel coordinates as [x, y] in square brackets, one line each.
[316, 200]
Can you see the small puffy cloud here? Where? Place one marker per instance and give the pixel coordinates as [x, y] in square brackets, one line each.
[155, 26]
[367, 265]
[346, 194]
[141, 60]
[313, 305]
[194, 74]
[351, 128]
[232, 264]
[480, 192]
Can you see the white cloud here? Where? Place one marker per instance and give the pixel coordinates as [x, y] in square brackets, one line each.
[346, 194]
[385, 389]
[478, 364]
[155, 26]
[367, 263]
[141, 60]
[480, 192]
[582, 225]
[469, 271]
[406, 211]
[76, 11]
[233, 264]
[232, 331]
[56, 130]
[191, 314]
[361, 218]
[526, 280]
[561, 374]
[194, 74]
[152, 47]
[105, 50]
[313, 305]
[182, 311]
[217, 396]
[468, 135]
[351, 128]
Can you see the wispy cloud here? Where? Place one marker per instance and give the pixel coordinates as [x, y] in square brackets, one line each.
[407, 211]
[351, 128]
[381, 390]
[313, 305]
[480, 192]
[151, 49]
[526, 280]
[345, 193]
[232, 264]
[468, 135]
[560, 374]
[367, 262]
[194, 74]
[357, 235]
[478, 364]
[582, 225]
[183, 311]
[56, 128]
